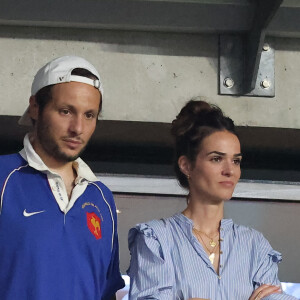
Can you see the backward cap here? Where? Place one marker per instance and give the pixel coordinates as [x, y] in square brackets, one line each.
[59, 71]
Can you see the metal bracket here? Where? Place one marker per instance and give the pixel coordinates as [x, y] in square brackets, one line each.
[246, 64]
[232, 66]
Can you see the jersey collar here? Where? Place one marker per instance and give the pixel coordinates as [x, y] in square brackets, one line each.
[34, 161]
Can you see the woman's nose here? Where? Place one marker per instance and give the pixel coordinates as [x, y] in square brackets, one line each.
[227, 169]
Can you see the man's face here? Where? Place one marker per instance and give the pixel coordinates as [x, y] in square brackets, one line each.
[67, 122]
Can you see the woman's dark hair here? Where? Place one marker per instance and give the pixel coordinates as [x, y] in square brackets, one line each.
[44, 95]
[196, 120]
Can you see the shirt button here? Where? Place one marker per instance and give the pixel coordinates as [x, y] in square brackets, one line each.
[221, 228]
[221, 266]
[221, 240]
[221, 252]
[219, 277]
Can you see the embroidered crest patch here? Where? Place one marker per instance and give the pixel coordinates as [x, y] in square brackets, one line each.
[94, 225]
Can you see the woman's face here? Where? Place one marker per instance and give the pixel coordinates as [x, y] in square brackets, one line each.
[216, 171]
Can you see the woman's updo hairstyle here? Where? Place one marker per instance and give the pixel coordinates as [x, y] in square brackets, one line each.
[196, 120]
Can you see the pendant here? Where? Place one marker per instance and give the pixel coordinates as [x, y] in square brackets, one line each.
[212, 258]
[212, 244]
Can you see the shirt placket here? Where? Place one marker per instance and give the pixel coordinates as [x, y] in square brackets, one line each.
[59, 191]
[221, 264]
[221, 256]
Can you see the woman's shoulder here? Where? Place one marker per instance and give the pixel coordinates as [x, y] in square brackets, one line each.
[247, 232]
[157, 229]
[244, 229]
[255, 240]
[264, 250]
[250, 234]
[150, 228]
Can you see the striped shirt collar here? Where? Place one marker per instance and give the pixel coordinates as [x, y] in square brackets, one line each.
[226, 224]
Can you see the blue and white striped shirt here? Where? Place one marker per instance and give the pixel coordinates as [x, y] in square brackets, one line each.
[168, 262]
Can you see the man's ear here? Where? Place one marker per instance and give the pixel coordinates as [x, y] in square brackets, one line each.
[184, 165]
[33, 108]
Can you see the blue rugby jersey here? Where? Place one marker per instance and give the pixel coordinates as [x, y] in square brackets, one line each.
[46, 254]
[168, 262]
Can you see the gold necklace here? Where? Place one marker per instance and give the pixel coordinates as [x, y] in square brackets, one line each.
[211, 242]
[212, 254]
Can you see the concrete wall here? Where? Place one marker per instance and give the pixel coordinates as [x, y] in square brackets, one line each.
[147, 76]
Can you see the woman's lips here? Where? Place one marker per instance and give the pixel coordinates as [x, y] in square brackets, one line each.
[227, 183]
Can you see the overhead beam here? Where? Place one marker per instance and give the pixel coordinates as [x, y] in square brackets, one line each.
[203, 16]
[243, 70]
[286, 21]
[189, 16]
[264, 12]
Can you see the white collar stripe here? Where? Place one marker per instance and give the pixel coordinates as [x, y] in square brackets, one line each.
[5, 183]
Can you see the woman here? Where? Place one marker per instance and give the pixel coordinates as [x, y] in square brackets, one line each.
[197, 254]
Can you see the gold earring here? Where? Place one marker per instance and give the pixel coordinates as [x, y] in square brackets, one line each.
[188, 176]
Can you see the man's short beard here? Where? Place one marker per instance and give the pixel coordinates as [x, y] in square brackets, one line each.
[61, 156]
[50, 146]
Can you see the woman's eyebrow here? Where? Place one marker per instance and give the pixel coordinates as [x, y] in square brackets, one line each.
[239, 154]
[223, 154]
[216, 152]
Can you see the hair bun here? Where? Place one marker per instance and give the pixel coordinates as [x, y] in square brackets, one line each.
[189, 115]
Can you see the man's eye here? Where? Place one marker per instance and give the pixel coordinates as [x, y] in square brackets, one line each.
[237, 161]
[65, 111]
[90, 116]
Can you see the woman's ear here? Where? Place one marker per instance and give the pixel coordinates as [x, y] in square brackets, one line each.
[33, 108]
[184, 165]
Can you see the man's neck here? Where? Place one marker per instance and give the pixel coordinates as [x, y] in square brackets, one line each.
[68, 175]
[63, 168]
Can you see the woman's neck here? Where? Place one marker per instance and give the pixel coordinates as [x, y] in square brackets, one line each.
[206, 217]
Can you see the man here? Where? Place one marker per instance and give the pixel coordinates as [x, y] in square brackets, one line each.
[58, 232]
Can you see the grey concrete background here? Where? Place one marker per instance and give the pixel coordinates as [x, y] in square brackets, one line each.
[147, 76]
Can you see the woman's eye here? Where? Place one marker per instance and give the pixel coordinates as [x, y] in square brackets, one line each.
[237, 161]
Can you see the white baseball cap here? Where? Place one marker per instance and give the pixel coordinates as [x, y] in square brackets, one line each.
[58, 71]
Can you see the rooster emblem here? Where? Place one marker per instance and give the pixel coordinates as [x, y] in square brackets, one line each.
[94, 225]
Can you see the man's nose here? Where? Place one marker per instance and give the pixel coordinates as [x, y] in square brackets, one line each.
[76, 125]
